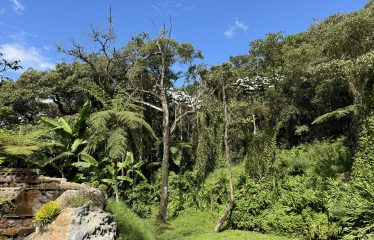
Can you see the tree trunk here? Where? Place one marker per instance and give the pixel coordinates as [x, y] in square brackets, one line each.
[161, 217]
[230, 204]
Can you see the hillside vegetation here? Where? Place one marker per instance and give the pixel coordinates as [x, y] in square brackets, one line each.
[277, 141]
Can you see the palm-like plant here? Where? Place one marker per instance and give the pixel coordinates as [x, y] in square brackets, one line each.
[73, 142]
[115, 133]
[121, 172]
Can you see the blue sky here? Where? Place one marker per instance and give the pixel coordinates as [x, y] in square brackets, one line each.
[30, 29]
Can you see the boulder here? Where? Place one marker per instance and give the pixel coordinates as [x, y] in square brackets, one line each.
[72, 198]
[86, 222]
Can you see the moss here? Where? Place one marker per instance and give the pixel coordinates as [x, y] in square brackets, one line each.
[47, 213]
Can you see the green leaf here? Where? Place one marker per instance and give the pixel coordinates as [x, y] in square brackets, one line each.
[121, 165]
[88, 159]
[103, 187]
[63, 155]
[140, 174]
[173, 150]
[49, 122]
[138, 165]
[109, 181]
[129, 159]
[110, 169]
[125, 178]
[81, 164]
[76, 144]
[65, 126]
[80, 125]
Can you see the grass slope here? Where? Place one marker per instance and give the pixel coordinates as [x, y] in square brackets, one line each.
[195, 225]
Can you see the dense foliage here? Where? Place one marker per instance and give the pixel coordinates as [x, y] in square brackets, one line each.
[296, 112]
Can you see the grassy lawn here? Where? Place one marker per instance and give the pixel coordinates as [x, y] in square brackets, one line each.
[194, 225]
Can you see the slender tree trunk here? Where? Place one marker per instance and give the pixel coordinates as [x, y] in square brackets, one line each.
[230, 203]
[161, 217]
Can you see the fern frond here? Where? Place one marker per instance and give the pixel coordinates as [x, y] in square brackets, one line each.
[336, 114]
[98, 93]
[117, 143]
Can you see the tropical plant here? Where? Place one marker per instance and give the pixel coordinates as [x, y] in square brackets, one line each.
[121, 172]
[72, 137]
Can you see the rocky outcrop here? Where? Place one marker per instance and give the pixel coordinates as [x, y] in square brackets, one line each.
[23, 191]
[82, 223]
[72, 198]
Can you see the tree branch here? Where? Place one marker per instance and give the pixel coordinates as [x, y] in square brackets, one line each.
[180, 117]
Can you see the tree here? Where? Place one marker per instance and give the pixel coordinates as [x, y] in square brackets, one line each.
[151, 78]
[8, 65]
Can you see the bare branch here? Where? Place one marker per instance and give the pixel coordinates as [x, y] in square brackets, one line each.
[148, 104]
[180, 117]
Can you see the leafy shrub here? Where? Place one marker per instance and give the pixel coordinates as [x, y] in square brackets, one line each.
[310, 224]
[47, 213]
[129, 225]
[295, 206]
[252, 198]
[324, 158]
[355, 208]
[213, 192]
[142, 197]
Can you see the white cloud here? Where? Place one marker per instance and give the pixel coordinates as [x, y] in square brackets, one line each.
[29, 56]
[17, 6]
[174, 7]
[241, 25]
[238, 25]
[229, 33]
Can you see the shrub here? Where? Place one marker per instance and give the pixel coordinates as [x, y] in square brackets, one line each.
[129, 225]
[47, 213]
[142, 197]
[252, 198]
[324, 158]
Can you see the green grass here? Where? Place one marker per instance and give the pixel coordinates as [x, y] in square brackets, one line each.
[195, 225]
[130, 226]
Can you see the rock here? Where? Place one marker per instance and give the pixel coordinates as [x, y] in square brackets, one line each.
[72, 198]
[83, 223]
[8, 197]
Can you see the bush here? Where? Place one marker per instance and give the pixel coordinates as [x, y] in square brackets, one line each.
[295, 206]
[252, 198]
[142, 197]
[129, 225]
[355, 208]
[47, 213]
[324, 158]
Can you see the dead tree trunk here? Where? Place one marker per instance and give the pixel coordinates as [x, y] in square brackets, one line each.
[230, 204]
[161, 217]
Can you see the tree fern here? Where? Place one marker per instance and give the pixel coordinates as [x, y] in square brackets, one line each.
[23, 141]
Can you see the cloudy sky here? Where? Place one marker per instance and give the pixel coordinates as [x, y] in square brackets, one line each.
[31, 29]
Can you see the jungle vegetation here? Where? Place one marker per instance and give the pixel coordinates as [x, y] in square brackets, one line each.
[279, 140]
